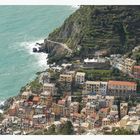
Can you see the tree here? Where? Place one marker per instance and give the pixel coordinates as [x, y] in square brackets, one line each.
[36, 87]
[51, 130]
[67, 129]
[1, 117]
[139, 129]
[121, 131]
[118, 104]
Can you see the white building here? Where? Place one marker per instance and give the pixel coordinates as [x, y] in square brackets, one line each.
[80, 77]
[49, 87]
[96, 87]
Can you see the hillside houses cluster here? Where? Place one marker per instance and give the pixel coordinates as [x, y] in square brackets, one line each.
[95, 110]
[114, 88]
[37, 111]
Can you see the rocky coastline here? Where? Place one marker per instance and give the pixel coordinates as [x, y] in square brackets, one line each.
[55, 50]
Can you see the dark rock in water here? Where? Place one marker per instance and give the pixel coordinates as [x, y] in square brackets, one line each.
[34, 49]
[41, 49]
[40, 44]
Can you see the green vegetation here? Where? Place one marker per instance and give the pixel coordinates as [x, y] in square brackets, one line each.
[104, 75]
[121, 131]
[35, 86]
[92, 74]
[51, 130]
[100, 27]
[65, 129]
[1, 117]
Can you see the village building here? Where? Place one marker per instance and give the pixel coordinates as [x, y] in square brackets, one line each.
[25, 95]
[72, 73]
[96, 63]
[90, 108]
[74, 107]
[103, 112]
[65, 78]
[121, 88]
[114, 110]
[39, 119]
[136, 71]
[36, 99]
[105, 121]
[123, 109]
[50, 88]
[95, 87]
[80, 77]
[110, 100]
[38, 109]
[66, 66]
[128, 65]
[125, 64]
[13, 110]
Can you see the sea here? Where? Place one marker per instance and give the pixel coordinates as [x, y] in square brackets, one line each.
[21, 27]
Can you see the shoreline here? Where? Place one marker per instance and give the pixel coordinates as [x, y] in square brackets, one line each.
[42, 59]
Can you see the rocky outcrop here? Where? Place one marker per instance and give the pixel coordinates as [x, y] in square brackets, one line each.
[56, 51]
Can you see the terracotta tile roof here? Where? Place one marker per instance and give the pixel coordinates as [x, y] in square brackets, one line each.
[77, 114]
[122, 83]
[104, 110]
[61, 102]
[36, 99]
[136, 67]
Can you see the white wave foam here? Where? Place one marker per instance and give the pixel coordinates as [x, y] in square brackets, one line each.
[1, 104]
[41, 57]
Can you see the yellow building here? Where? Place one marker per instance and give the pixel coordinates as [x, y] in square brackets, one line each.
[96, 87]
[66, 78]
[129, 63]
[124, 121]
[25, 95]
[126, 65]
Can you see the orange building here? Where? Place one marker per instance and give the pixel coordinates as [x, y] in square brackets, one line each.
[36, 99]
[121, 88]
[136, 71]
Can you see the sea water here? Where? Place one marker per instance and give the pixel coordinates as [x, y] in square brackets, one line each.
[20, 28]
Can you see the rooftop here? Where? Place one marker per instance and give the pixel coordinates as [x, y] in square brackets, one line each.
[65, 75]
[49, 84]
[136, 67]
[94, 60]
[36, 99]
[25, 93]
[96, 82]
[80, 73]
[122, 83]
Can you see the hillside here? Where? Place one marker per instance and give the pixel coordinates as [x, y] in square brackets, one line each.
[113, 28]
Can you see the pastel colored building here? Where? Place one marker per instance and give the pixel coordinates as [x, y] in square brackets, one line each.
[66, 78]
[121, 88]
[96, 87]
[136, 71]
[49, 87]
[80, 77]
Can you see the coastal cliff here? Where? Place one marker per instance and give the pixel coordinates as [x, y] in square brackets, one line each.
[91, 28]
[57, 51]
